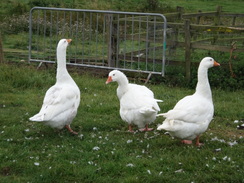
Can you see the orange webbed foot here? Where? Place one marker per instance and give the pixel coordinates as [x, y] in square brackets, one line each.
[186, 141]
[70, 130]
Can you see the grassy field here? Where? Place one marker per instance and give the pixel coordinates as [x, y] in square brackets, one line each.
[18, 7]
[104, 151]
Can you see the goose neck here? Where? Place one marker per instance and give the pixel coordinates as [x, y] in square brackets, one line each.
[62, 73]
[203, 86]
[61, 59]
[122, 86]
[123, 82]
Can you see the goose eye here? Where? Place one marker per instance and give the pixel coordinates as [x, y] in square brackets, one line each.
[113, 74]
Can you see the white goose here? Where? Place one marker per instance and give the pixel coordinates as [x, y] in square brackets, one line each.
[191, 115]
[137, 103]
[62, 99]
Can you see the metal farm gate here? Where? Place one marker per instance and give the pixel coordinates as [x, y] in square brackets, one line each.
[101, 39]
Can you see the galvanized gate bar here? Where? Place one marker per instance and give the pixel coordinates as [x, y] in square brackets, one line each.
[130, 41]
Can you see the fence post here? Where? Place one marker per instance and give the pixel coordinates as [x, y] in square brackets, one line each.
[217, 18]
[233, 21]
[111, 40]
[181, 11]
[199, 17]
[187, 49]
[1, 50]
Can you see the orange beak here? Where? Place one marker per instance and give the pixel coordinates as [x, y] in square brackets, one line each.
[216, 63]
[109, 79]
[69, 40]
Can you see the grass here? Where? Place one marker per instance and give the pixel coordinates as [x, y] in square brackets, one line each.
[160, 6]
[207, 5]
[103, 151]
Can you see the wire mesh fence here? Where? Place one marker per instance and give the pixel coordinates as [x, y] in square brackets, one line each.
[101, 39]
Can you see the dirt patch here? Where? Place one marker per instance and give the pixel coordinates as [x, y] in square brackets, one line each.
[228, 133]
[5, 171]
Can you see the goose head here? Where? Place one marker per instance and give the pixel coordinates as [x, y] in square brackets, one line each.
[116, 75]
[63, 43]
[208, 62]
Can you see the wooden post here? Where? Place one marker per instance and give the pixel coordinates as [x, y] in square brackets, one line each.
[181, 11]
[1, 50]
[217, 18]
[187, 49]
[198, 17]
[234, 21]
[175, 40]
[111, 40]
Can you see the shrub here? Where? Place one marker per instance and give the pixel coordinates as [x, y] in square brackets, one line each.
[18, 8]
[44, 3]
[15, 24]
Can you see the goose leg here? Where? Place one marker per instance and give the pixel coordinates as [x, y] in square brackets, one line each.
[130, 128]
[186, 141]
[197, 141]
[146, 129]
[70, 130]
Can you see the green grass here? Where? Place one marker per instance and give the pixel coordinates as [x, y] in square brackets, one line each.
[208, 5]
[104, 151]
[160, 6]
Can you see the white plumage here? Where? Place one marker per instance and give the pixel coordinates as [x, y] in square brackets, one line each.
[61, 100]
[191, 115]
[137, 103]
